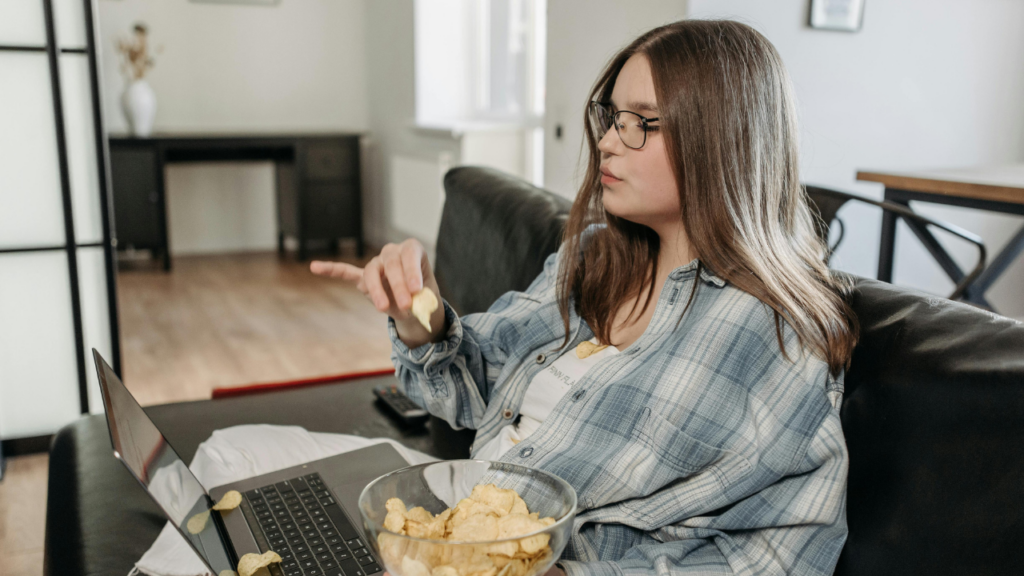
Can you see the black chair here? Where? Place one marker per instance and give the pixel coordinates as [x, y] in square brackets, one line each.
[826, 203]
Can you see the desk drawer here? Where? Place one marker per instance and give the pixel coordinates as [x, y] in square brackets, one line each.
[335, 160]
[138, 206]
[332, 210]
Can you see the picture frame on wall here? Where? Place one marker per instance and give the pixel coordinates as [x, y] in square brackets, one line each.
[842, 15]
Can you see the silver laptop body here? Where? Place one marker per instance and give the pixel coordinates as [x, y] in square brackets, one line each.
[284, 511]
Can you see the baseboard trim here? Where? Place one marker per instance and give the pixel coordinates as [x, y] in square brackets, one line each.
[25, 446]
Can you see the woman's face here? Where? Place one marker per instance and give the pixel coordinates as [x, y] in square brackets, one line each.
[638, 185]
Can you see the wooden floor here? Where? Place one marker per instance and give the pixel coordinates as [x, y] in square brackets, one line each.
[213, 321]
[23, 516]
[242, 319]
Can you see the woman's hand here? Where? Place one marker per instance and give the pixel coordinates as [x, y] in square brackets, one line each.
[389, 280]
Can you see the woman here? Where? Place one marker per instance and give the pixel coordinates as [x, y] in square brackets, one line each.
[680, 360]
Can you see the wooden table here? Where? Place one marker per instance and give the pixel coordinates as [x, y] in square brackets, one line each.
[993, 188]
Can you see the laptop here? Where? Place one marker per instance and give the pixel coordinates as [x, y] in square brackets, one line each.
[308, 514]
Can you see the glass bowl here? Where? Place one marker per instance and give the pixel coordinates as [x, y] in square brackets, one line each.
[437, 486]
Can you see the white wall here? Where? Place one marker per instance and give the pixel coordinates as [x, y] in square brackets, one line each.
[582, 37]
[296, 66]
[924, 84]
[395, 144]
[218, 207]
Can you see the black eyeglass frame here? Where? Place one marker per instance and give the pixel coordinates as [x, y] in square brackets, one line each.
[601, 107]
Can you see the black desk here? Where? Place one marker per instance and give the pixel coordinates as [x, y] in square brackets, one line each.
[318, 184]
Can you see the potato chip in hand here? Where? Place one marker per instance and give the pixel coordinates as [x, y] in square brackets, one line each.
[423, 305]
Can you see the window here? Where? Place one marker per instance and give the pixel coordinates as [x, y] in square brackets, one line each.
[479, 62]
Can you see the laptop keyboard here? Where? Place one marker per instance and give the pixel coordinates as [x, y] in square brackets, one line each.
[301, 521]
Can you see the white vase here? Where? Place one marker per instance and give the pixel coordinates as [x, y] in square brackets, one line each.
[139, 103]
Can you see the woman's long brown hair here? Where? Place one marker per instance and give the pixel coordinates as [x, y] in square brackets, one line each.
[727, 115]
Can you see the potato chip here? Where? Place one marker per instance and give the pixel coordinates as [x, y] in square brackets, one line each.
[395, 522]
[197, 523]
[467, 554]
[229, 501]
[432, 554]
[481, 569]
[490, 513]
[476, 528]
[423, 305]
[516, 525]
[460, 513]
[519, 506]
[392, 548]
[534, 544]
[395, 505]
[413, 567]
[249, 564]
[419, 514]
[440, 524]
[506, 549]
[500, 499]
[428, 531]
[586, 349]
[514, 568]
[445, 570]
[542, 558]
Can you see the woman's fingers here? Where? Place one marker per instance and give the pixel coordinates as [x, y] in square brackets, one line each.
[412, 264]
[396, 279]
[374, 286]
[346, 272]
[388, 280]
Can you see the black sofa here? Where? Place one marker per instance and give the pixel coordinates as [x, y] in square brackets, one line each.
[933, 413]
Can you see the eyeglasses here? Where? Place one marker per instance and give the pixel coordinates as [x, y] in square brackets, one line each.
[631, 127]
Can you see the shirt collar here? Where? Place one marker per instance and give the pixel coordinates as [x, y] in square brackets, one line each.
[705, 273]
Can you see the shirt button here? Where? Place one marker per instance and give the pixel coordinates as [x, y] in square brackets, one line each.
[579, 394]
[507, 414]
[525, 452]
[540, 358]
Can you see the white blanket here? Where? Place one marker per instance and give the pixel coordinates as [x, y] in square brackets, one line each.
[241, 452]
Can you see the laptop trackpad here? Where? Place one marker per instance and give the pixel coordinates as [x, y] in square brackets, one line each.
[347, 474]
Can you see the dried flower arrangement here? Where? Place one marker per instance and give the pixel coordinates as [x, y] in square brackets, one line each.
[135, 58]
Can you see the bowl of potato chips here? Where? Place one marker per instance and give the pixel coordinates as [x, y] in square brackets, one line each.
[468, 518]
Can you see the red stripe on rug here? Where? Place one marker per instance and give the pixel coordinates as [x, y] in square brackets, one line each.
[272, 386]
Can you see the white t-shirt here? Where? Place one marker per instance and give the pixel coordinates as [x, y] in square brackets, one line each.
[546, 389]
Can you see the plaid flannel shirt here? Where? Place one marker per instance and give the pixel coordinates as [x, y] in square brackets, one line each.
[698, 449]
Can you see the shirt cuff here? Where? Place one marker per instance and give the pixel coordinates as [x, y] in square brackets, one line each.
[429, 357]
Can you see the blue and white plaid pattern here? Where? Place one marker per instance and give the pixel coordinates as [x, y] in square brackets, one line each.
[699, 449]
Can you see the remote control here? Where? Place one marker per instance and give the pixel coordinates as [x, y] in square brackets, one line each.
[406, 411]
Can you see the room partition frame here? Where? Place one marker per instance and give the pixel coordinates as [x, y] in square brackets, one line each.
[58, 294]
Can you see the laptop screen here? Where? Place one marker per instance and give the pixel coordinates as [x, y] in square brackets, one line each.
[145, 452]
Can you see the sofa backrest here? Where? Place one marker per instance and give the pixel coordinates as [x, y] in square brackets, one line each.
[496, 231]
[933, 412]
[933, 417]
